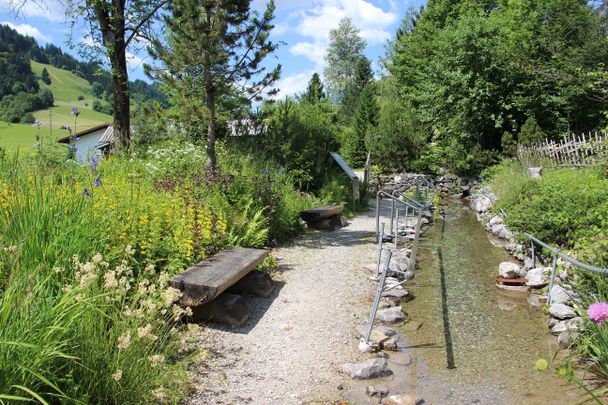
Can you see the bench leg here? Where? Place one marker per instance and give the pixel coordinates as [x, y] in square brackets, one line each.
[227, 308]
[256, 283]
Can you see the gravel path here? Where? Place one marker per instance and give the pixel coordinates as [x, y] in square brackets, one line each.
[291, 349]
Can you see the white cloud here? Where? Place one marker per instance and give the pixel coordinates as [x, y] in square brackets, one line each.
[26, 29]
[293, 84]
[312, 50]
[322, 16]
[134, 62]
[52, 10]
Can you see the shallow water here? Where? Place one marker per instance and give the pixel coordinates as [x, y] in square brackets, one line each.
[477, 344]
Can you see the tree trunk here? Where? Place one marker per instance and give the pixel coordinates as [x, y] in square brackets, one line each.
[211, 158]
[120, 85]
[210, 93]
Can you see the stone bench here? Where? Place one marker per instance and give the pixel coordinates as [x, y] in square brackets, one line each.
[324, 217]
[203, 285]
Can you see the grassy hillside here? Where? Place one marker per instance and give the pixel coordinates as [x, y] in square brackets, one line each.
[66, 88]
[61, 117]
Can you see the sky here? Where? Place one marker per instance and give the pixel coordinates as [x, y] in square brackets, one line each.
[302, 26]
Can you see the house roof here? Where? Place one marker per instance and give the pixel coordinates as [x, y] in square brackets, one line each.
[80, 134]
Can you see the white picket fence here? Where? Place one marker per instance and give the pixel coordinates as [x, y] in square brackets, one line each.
[572, 150]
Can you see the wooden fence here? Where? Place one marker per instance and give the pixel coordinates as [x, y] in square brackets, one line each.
[572, 150]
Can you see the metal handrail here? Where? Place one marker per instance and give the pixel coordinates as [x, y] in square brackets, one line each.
[564, 256]
[417, 207]
[558, 253]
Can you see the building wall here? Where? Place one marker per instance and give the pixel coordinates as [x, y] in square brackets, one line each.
[86, 146]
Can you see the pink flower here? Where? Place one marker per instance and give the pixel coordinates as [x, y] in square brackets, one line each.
[598, 312]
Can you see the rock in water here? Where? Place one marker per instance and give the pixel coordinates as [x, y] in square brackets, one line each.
[389, 344]
[398, 295]
[372, 368]
[379, 392]
[402, 399]
[508, 270]
[391, 315]
[561, 311]
[538, 277]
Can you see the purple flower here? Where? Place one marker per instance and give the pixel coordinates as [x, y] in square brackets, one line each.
[264, 171]
[93, 164]
[36, 123]
[86, 192]
[75, 111]
[598, 312]
[97, 182]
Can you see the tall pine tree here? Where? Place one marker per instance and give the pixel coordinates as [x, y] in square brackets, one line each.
[314, 91]
[366, 117]
[213, 53]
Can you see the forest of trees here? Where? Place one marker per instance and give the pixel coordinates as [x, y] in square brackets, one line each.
[462, 83]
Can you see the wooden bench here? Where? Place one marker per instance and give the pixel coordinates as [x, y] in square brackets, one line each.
[202, 285]
[324, 217]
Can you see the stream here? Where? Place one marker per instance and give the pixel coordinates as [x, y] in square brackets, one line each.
[476, 344]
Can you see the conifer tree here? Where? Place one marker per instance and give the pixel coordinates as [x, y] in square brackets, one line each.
[314, 92]
[45, 77]
[366, 117]
[213, 52]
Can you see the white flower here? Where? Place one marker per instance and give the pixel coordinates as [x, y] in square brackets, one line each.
[129, 250]
[170, 295]
[97, 258]
[145, 332]
[156, 359]
[117, 375]
[124, 340]
[109, 280]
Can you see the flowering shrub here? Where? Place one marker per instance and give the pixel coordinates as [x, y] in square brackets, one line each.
[86, 314]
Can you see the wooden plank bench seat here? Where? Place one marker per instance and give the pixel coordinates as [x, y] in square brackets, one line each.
[203, 282]
[317, 214]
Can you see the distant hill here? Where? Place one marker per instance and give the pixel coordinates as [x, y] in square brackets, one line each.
[44, 83]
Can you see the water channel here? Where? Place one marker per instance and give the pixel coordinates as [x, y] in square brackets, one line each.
[476, 344]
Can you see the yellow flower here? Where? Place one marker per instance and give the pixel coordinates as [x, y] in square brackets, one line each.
[541, 365]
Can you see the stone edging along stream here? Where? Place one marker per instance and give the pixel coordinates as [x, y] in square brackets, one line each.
[564, 316]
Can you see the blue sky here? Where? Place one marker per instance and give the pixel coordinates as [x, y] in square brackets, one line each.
[302, 25]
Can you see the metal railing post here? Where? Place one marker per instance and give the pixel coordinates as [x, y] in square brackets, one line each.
[412, 261]
[372, 315]
[552, 279]
[533, 255]
[392, 215]
[380, 241]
